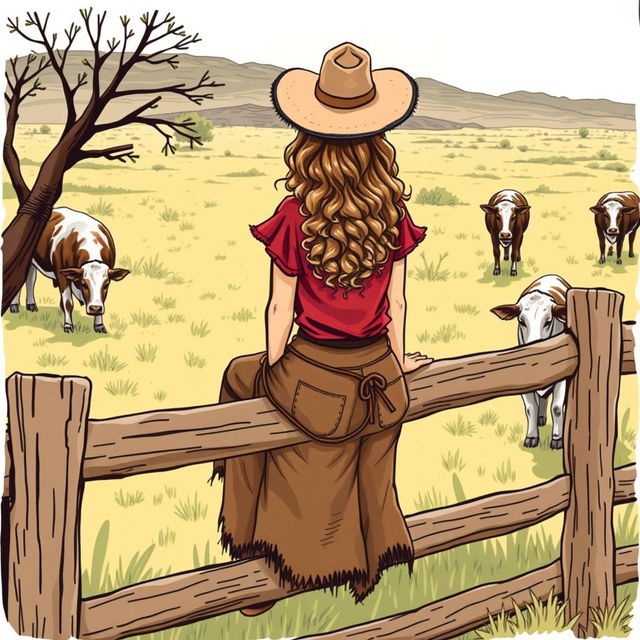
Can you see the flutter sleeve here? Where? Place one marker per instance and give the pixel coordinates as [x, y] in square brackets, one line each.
[281, 235]
[410, 235]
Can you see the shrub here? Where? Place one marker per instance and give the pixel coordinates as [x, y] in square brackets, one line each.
[615, 166]
[603, 154]
[583, 132]
[202, 126]
[45, 128]
[523, 148]
[505, 144]
[438, 196]
[251, 173]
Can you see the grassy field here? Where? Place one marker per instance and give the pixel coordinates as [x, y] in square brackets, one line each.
[195, 300]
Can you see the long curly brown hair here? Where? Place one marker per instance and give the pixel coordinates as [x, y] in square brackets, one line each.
[350, 194]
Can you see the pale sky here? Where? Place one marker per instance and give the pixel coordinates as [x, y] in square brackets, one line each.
[575, 48]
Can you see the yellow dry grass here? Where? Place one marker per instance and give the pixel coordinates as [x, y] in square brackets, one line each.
[192, 214]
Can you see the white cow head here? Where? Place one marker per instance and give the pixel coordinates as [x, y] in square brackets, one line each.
[93, 279]
[610, 214]
[538, 316]
[505, 213]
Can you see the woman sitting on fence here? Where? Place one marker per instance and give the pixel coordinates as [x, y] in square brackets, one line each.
[326, 513]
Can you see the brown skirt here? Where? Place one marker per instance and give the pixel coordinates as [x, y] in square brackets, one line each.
[323, 515]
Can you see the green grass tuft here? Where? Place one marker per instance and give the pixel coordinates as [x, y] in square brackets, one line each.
[103, 361]
[251, 173]
[200, 329]
[146, 352]
[244, 315]
[144, 319]
[460, 427]
[432, 271]
[164, 302]
[191, 510]
[122, 388]
[153, 268]
[194, 360]
[468, 309]
[453, 461]
[51, 360]
[504, 473]
[101, 208]
[169, 215]
[128, 499]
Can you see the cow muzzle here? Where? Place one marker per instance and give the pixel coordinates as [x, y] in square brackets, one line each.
[95, 310]
[613, 231]
[505, 239]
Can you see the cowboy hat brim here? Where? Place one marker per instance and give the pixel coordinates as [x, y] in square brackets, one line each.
[294, 99]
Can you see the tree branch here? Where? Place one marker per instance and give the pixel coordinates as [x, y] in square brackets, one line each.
[191, 93]
[121, 152]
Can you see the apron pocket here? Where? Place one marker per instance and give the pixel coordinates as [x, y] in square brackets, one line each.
[320, 411]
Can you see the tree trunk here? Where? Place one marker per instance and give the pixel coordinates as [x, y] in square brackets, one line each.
[21, 236]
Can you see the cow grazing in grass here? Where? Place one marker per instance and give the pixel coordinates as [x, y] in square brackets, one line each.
[506, 217]
[77, 252]
[542, 312]
[616, 215]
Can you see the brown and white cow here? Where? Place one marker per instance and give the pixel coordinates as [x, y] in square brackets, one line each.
[616, 215]
[506, 217]
[77, 252]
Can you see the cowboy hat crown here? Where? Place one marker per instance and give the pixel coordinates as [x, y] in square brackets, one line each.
[346, 99]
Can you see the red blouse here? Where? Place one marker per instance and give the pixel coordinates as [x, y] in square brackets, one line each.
[321, 311]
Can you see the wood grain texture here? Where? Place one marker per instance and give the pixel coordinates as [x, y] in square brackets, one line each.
[588, 544]
[467, 610]
[202, 593]
[168, 439]
[47, 429]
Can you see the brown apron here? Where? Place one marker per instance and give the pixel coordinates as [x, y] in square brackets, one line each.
[323, 513]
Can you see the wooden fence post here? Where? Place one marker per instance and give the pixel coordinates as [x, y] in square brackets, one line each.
[588, 547]
[47, 433]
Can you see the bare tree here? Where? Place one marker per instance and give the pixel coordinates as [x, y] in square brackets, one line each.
[158, 43]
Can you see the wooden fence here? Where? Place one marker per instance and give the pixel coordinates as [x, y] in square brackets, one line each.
[53, 448]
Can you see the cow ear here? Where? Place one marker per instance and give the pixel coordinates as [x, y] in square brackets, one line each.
[118, 274]
[559, 311]
[72, 273]
[487, 208]
[597, 209]
[506, 311]
[523, 208]
[628, 209]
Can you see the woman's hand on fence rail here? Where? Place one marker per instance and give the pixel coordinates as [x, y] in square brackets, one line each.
[413, 361]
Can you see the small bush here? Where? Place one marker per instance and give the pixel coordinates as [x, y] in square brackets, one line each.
[603, 154]
[505, 144]
[615, 166]
[202, 126]
[593, 165]
[45, 128]
[438, 196]
[523, 148]
[251, 173]
[583, 132]
[158, 167]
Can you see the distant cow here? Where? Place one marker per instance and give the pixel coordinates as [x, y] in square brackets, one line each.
[77, 252]
[542, 312]
[616, 215]
[506, 216]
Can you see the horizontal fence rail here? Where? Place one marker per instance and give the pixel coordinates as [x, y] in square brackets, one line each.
[468, 610]
[168, 439]
[201, 593]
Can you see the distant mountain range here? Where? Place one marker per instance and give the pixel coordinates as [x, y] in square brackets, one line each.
[244, 100]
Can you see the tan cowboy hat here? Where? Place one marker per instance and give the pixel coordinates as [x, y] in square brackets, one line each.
[347, 99]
